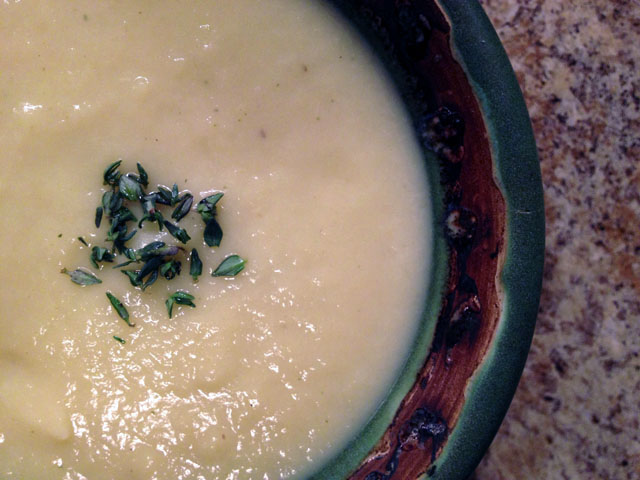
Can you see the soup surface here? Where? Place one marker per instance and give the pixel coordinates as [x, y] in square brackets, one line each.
[280, 106]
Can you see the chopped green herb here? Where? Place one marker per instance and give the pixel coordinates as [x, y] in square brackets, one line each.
[99, 254]
[133, 277]
[162, 196]
[149, 267]
[230, 266]
[111, 202]
[181, 298]
[59, 235]
[156, 249]
[149, 202]
[120, 309]
[130, 253]
[195, 270]
[149, 250]
[168, 197]
[175, 194]
[111, 174]
[98, 219]
[144, 177]
[170, 269]
[130, 188]
[150, 211]
[118, 233]
[82, 276]
[212, 233]
[122, 216]
[207, 206]
[156, 258]
[211, 200]
[207, 210]
[183, 207]
[151, 279]
[126, 238]
[83, 241]
[120, 340]
[119, 236]
[177, 232]
[124, 264]
[156, 216]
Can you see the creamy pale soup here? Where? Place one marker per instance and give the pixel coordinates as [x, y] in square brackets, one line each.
[278, 105]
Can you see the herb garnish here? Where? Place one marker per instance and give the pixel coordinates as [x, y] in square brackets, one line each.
[177, 232]
[181, 298]
[130, 187]
[156, 259]
[111, 202]
[111, 174]
[150, 211]
[207, 210]
[183, 208]
[143, 178]
[82, 276]
[195, 270]
[99, 254]
[170, 269]
[230, 267]
[212, 233]
[149, 268]
[120, 309]
[168, 197]
[98, 219]
[118, 339]
[132, 277]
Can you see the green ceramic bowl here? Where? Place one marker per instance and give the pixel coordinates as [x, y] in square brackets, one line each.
[480, 311]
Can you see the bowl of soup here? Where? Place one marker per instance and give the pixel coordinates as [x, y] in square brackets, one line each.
[250, 239]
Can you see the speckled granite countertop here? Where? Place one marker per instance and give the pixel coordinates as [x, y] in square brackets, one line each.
[576, 414]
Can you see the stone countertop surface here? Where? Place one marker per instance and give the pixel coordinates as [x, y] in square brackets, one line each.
[576, 414]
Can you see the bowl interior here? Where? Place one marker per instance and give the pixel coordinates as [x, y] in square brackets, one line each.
[470, 119]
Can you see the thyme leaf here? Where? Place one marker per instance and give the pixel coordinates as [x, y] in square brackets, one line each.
[82, 276]
[120, 309]
[151, 279]
[230, 266]
[195, 269]
[144, 177]
[99, 254]
[133, 277]
[130, 188]
[149, 267]
[181, 298]
[168, 197]
[207, 206]
[149, 250]
[156, 216]
[111, 174]
[98, 219]
[211, 200]
[150, 211]
[175, 194]
[212, 233]
[170, 269]
[177, 232]
[111, 202]
[183, 207]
